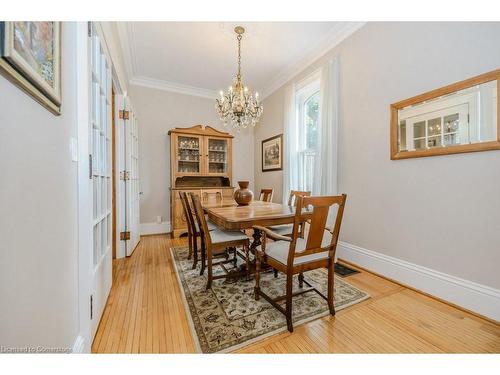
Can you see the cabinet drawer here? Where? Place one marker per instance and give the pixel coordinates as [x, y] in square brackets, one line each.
[211, 195]
[227, 193]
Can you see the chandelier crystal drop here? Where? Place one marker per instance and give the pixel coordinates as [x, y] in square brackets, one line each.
[239, 107]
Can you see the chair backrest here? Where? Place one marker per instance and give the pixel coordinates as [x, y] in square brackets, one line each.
[188, 213]
[294, 194]
[318, 208]
[266, 195]
[200, 218]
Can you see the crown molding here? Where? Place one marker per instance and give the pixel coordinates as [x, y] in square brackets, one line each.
[126, 35]
[336, 35]
[173, 87]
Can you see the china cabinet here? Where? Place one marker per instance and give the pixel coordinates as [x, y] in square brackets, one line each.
[200, 162]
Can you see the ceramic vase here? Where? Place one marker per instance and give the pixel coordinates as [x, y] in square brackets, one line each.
[243, 196]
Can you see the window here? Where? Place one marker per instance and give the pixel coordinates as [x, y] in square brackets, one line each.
[307, 103]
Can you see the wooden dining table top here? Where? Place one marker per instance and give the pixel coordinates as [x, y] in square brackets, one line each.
[230, 216]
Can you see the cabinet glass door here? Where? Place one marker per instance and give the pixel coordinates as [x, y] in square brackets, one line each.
[217, 150]
[189, 151]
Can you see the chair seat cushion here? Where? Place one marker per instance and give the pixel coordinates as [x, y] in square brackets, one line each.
[211, 226]
[278, 250]
[221, 236]
[283, 230]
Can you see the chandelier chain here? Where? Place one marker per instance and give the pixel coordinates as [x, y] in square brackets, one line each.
[239, 55]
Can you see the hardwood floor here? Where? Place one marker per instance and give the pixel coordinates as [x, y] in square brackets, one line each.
[145, 314]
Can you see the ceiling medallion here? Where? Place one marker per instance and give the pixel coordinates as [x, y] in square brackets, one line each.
[239, 107]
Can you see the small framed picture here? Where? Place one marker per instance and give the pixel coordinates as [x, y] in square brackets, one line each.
[272, 153]
[30, 57]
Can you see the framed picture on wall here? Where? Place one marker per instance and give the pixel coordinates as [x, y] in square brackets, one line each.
[30, 57]
[272, 153]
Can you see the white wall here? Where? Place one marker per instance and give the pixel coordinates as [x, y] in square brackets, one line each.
[38, 215]
[438, 212]
[158, 111]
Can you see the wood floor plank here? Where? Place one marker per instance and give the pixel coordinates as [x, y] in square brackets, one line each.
[145, 313]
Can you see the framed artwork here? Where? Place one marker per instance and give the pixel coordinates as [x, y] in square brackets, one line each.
[30, 57]
[272, 153]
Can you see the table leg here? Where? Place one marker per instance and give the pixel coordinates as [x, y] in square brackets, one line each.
[257, 235]
[241, 271]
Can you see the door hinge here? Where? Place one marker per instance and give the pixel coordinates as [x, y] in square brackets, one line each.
[91, 306]
[123, 114]
[90, 166]
[89, 28]
[124, 175]
[124, 236]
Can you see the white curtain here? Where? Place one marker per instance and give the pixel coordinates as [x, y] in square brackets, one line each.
[291, 162]
[325, 173]
[325, 161]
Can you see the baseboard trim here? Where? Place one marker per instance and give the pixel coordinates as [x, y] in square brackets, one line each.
[477, 298]
[155, 228]
[78, 345]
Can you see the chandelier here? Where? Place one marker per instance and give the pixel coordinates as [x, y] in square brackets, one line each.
[239, 106]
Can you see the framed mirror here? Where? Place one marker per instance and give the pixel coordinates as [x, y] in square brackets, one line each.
[462, 117]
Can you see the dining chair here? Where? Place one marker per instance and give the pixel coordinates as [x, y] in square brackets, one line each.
[266, 195]
[295, 255]
[194, 232]
[218, 242]
[286, 229]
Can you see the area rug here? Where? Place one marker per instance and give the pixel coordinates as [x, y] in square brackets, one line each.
[227, 317]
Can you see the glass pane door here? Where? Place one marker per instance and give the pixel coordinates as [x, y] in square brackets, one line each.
[189, 152]
[100, 142]
[217, 156]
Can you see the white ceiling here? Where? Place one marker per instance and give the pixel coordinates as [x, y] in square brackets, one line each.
[200, 58]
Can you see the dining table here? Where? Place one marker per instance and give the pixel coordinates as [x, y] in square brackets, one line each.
[230, 216]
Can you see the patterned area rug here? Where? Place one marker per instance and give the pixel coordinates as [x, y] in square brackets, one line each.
[227, 317]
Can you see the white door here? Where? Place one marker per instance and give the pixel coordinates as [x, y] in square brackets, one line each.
[100, 174]
[128, 183]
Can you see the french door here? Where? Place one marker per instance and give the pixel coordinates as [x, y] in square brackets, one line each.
[100, 134]
[128, 183]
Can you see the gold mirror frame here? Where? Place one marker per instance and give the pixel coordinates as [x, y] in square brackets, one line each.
[458, 149]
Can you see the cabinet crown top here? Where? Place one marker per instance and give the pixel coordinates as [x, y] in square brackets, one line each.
[201, 130]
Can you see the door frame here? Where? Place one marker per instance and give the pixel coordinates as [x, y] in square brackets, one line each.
[114, 245]
[84, 340]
